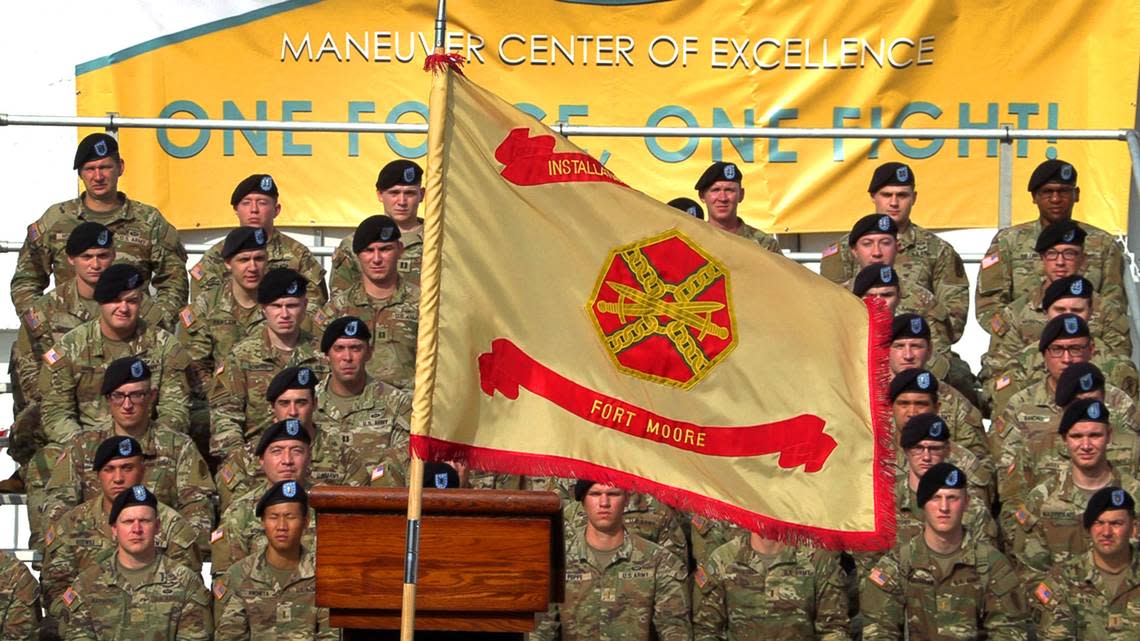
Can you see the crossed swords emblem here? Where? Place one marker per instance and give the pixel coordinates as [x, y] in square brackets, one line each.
[641, 305]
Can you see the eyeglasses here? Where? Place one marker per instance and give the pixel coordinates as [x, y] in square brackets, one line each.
[933, 450]
[1056, 351]
[117, 398]
[1068, 254]
[1063, 193]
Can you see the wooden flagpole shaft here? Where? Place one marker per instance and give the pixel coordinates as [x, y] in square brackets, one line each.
[412, 549]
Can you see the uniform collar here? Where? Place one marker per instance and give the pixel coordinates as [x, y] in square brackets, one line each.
[624, 551]
[123, 212]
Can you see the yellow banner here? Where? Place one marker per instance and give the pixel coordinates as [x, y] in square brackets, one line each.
[634, 344]
[892, 63]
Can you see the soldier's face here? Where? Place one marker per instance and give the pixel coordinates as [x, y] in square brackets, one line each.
[122, 314]
[944, 510]
[722, 199]
[284, 525]
[1110, 532]
[401, 203]
[1087, 443]
[347, 359]
[378, 262]
[1080, 306]
[248, 268]
[604, 506]
[295, 403]
[101, 177]
[130, 404]
[925, 455]
[90, 264]
[895, 201]
[120, 474]
[887, 294]
[908, 353]
[135, 529]
[283, 316]
[1063, 352]
[286, 461]
[910, 404]
[1063, 261]
[1055, 201]
[875, 249]
[257, 210]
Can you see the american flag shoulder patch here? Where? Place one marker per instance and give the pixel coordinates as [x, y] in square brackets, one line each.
[1002, 382]
[217, 535]
[1043, 593]
[187, 316]
[197, 271]
[51, 357]
[701, 577]
[831, 250]
[35, 231]
[219, 589]
[877, 577]
[991, 260]
[70, 595]
[32, 318]
[378, 472]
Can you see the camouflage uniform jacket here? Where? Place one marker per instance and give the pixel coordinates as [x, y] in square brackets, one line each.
[981, 598]
[644, 516]
[72, 378]
[42, 324]
[916, 299]
[172, 605]
[143, 237]
[394, 322]
[380, 418]
[82, 538]
[765, 240]
[707, 535]
[175, 472]
[963, 419]
[210, 272]
[250, 605]
[643, 588]
[19, 600]
[210, 328]
[1075, 603]
[240, 533]
[741, 596]
[1012, 266]
[922, 258]
[1118, 370]
[346, 269]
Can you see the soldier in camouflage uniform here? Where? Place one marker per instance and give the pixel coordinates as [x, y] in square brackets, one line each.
[175, 470]
[923, 258]
[136, 592]
[916, 391]
[1046, 528]
[618, 585]
[1096, 596]
[73, 372]
[255, 203]
[19, 600]
[756, 589]
[721, 189]
[272, 595]
[82, 537]
[142, 236]
[944, 585]
[644, 516]
[400, 192]
[1012, 266]
[388, 304]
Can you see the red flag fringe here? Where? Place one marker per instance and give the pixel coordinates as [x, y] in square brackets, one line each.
[440, 61]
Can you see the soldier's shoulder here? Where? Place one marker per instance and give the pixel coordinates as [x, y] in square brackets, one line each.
[242, 506]
[345, 243]
[293, 246]
[725, 554]
[146, 212]
[65, 211]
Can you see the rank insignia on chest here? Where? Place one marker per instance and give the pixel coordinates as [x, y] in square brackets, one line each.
[69, 596]
[404, 265]
[1043, 593]
[877, 577]
[609, 595]
[197, 271]
[219, 589]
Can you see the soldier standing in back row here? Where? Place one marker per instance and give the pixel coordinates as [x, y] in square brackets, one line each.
[721, 189]
[142, 236]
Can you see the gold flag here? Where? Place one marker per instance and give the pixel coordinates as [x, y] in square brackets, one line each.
[575, 327]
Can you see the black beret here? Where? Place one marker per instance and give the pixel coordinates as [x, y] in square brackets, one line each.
[244, 239]
[914, 380]
[116, 447]
[890, 173]
[137, 495]
[122, 371]
[689, 206]
[937, 477]
[288, 430]
[440, 476]
[872, 224]
[345, 327]
[95, 147]
[923, 427]
[1052, 171]
[290, 378]
[1068, 287]
[1077, 378]
[875, 275]
[1080, 411]
[374, 229]
[909, 326]
[257, 183]
[283, 492]
[119, 278]
[581, 487]
[1062, 232]
[399, 172]
[88, 235]
[281, 282]
[1063, 326]
[716, 172]
[1105, 499]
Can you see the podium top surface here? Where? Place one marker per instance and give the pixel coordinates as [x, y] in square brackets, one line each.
[336, 498]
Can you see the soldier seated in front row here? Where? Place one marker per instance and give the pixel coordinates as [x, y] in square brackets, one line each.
[19, 599]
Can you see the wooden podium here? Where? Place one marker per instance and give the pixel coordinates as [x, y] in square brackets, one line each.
[489, 561]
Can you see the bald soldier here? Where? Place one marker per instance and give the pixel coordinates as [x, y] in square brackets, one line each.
[399, 188]
[256, 204]
[923, 257]
[721, 189]
[1011, 266]
[142, 236]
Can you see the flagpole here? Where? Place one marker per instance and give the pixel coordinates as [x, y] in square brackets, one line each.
[425, 371]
